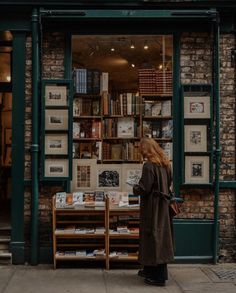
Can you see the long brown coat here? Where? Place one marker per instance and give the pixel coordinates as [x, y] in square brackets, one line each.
[156, 245]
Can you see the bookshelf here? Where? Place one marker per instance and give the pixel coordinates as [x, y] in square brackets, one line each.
[79, 234]
[75, 237]
[119, 122]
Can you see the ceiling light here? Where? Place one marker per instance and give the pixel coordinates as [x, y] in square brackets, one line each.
[112, 49]
[133, 65]
[145, 47]
[132, 46]
[160, 66]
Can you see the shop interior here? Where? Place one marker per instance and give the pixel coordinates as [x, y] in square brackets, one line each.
[5, 125]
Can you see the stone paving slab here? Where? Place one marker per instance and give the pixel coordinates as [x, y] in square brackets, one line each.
[209, 288]
[43, 279]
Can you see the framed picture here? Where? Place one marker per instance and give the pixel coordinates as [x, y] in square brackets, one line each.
[130, 173]
[56, 119]
[197, 107]
[8, 136]
[84, 174]
[56, 144]
[125, 127]
[197, 169]
[56, 168]
[195, 138]
[55, 95]
[109, 177]
[8, 156]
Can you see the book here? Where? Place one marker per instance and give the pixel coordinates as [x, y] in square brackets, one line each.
[85, 150]
[114, 197]
[167, 129]
[77, 107]
[96, 129]
[125, 127]
[69, 199]
[78, 197]
[60, 199]
[116, 151]
[99, 196]
[166, 108]
[76, 130]
[104, 82]
[156, 109]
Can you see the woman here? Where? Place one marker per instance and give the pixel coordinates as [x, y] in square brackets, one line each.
[156, 245]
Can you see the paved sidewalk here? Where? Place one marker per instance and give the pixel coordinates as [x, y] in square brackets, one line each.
[182, 278]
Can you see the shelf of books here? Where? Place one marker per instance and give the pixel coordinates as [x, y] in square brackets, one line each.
[108, 124]
[78, 228]
[95, 226]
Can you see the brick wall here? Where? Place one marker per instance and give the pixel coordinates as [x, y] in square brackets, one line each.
[53, 51]
[196, 67]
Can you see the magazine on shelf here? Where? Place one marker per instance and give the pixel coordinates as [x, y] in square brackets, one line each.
[60, 199]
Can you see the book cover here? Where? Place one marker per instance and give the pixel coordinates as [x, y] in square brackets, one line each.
[166, 108]
[125, 127]
[60, 199]
[76, 129]
[104, 82]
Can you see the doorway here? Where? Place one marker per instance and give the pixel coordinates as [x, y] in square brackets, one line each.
[5, 130]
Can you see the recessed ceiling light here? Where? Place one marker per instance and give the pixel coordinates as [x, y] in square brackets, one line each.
[112, 49]
[145, 47]
[133, 65]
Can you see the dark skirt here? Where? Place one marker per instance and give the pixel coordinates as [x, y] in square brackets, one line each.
[158, 272]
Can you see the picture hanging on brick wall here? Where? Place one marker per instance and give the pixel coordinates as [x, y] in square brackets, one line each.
[56, 119]
[196, 169]
[56, 168]
[197, 107]
[55, 95]
[195, 138]
[56, 144]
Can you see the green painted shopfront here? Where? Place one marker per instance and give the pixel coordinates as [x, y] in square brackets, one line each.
[81, 82]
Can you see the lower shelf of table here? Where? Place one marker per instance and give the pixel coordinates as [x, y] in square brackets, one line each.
[63, 257]
[123, 258]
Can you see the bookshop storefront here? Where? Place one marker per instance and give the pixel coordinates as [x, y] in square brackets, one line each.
[101, 80]
[121, 82]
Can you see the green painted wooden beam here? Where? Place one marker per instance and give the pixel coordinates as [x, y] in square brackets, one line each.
[18, 108]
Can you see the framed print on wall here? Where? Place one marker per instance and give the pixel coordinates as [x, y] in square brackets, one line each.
[109, 177]
[197, 169]
[84, 174]
[56, 144]
[56, 168]
[55, 95]
[195, 138]
[197, 107]
[130, 173]
[56, 119]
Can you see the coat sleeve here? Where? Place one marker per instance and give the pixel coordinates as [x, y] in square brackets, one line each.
[144, 187]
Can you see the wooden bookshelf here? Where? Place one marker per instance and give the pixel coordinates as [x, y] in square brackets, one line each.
[66, 243]
[111, 112]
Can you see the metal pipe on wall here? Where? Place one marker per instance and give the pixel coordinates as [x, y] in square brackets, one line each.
[217, 135]
[35, 139]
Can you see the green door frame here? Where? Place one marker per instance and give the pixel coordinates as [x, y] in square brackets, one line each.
[18, 122]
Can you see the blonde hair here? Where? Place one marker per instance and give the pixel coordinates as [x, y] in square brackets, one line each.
[152, 151]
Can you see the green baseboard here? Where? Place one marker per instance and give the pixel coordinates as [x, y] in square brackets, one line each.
[18, 252]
